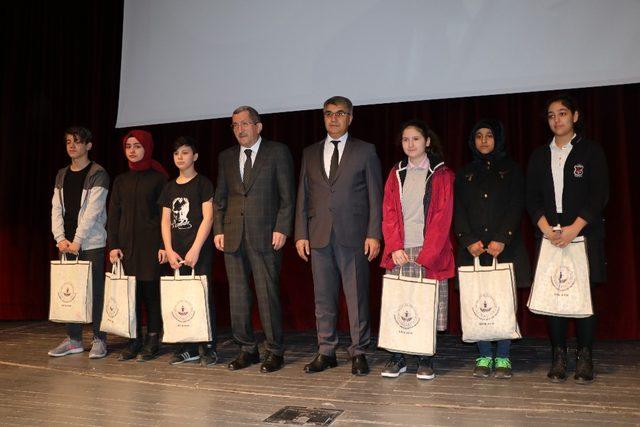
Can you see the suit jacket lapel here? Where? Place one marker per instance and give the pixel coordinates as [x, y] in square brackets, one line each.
[320, 157]
[235, 167]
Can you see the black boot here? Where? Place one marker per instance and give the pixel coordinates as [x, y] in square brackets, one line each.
[584, 366]
[150, 349]
[558, 373]
[131, 350]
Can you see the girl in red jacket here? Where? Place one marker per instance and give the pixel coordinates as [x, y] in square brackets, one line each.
[416, 217]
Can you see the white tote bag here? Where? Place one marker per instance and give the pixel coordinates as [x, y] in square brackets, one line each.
[185, 308]
[488, 302]
[561, 284]
[71, 299]
[408, 315]
[119, 312]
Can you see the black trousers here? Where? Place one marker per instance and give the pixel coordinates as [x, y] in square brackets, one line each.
[585, 328]
[148, 292]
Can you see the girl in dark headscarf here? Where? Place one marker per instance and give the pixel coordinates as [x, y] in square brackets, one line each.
[134, 236]
[489, 202]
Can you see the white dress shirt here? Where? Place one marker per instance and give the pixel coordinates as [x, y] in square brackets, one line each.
[328, 150]
[558, 159]
[243, 157]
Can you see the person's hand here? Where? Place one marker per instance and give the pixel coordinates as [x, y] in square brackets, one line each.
[74, 248]
[476, 249]
[302, 246]
[162, 256]
[371, 248]
[399, 257]
[567, 235]
[63, 246]
[191, 258]
[552, 234]
[278, 240]
[115, 255]
[495, 248]
[218, 241]
[174, 259]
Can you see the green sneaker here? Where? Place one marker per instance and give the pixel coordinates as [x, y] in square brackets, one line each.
[483, 367]
[503, 368]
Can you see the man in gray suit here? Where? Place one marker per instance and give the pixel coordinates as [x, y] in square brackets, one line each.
[254, 204]
[338, 224]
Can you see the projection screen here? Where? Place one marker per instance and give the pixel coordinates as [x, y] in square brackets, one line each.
[199, 59]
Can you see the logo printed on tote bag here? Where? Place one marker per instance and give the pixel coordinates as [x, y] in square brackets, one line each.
[112, 308]
[485, 307]
[66, 293]
[563, 278]
[183, 311]
[406, 316]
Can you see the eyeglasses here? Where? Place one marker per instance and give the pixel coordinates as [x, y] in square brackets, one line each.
[241, 125]
[339, 114]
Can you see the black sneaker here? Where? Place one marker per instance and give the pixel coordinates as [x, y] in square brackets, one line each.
[209, 356]
[183, 355]
[425, 368]
[394, 367]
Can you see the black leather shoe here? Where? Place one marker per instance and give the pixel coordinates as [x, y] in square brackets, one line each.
[320, 363]
[272, 362]
[131, 350]
[244, 360]
[584, 366]
[150, 349]
[558, 371]
[359, 365]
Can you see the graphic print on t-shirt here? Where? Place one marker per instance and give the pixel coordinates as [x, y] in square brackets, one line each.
[179, 212]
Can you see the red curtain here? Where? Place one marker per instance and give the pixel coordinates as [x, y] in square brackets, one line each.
[61, 67]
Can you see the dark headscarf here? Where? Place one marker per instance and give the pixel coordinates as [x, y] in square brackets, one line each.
[146, 140]
[498, 138]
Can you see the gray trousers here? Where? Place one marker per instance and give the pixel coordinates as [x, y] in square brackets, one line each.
[265, 268]
[96, 256]
[330, 266]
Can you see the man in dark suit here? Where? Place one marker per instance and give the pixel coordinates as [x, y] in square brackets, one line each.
[254, 204]
[338, 223]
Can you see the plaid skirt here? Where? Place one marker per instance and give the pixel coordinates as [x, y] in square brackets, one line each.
[411, 269]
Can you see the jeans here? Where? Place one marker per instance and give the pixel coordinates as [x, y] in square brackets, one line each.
[502, 348]
[96, 256]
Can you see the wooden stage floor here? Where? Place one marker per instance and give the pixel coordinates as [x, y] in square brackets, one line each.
[38, 390]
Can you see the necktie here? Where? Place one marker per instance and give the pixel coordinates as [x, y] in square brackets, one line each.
[333, 167]
[247, 166]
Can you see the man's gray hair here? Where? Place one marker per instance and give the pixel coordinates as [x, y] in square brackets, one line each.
[340, 100]
[253, 114]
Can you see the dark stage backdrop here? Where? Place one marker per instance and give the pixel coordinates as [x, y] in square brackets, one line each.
[61, 65]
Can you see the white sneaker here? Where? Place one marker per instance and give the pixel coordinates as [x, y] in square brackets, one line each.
[98, 349]
[67, 346]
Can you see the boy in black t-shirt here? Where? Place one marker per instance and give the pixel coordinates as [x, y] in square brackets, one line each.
[187, 218]
[78, 217]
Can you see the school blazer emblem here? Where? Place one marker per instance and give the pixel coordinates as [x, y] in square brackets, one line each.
[578, 170]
